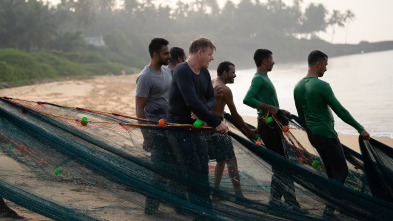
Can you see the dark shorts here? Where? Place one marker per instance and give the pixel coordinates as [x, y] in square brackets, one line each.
[332, 154]
[220, 146]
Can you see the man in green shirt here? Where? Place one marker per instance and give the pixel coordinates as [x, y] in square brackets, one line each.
[262, 96]
[313, 99]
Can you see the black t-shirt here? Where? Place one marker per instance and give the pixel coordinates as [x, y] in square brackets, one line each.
[190, 92]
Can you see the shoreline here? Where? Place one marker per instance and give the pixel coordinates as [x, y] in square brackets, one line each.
[115, 94]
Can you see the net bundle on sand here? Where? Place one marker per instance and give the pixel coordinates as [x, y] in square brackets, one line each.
[76, 164]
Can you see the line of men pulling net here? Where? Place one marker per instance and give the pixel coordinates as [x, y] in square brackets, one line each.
[78, 164]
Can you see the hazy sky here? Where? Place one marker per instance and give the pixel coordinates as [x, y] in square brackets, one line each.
[373, 22]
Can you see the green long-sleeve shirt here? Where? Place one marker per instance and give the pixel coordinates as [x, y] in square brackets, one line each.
[313, 100]
[261, 91]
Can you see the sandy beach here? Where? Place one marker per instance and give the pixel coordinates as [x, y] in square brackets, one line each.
[109, 94]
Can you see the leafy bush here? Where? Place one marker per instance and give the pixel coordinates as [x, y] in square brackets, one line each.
[106, 68]
[62, 66]
[19, 67]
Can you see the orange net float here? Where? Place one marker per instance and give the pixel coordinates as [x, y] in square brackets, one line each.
[285, 129]
[161, 123]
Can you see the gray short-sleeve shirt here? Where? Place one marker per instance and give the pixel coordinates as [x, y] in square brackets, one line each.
[155, 87]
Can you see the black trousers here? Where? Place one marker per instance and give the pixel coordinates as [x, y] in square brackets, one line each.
[332, 154]
[281, 185]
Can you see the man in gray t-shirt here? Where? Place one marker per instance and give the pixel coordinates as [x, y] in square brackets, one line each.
[151, 102]
[153, 86]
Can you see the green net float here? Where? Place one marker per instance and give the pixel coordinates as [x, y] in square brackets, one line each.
[10, 146]
[315, 164]
[268, 120]
[256, 137]
[198, 123]
[84, 121]
[57, 171]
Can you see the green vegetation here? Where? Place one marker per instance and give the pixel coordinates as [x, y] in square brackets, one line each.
[42, 42]
[18, 67]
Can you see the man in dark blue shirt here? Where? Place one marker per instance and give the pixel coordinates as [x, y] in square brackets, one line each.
[191, 96]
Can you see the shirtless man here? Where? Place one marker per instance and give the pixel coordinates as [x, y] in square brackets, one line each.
[221, 147]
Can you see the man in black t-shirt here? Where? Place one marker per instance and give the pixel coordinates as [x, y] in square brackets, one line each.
[191, 96]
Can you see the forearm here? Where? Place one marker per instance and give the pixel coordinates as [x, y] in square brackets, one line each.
[204, 114]
[239, 120]
[342, 113]
[272, 109]
[140, 112]
[250, 100]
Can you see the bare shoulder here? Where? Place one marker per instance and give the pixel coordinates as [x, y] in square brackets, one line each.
[222, 89]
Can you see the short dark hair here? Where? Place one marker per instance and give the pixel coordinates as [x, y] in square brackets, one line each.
[201, 44]
[316, 56]
[224, 66]
[261, 54]
[176, 53]
[156, 45]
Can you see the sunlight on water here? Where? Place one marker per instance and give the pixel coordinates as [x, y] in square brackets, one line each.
[361, 82]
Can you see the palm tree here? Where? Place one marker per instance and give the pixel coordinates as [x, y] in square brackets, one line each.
[38, 26]
[338, 19]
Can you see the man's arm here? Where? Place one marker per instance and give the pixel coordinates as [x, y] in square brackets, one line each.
[140, 103]
[298, 104]
[228, 97]
[252, 94]
[187, 89]
[342, 113]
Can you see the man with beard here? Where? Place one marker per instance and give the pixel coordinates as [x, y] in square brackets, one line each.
[152, 84]
[262, 96]
[220, 145]
[151, 102]
[314, 100]
[177, 56]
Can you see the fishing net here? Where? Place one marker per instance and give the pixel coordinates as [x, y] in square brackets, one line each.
[378, 165]
[76, 164]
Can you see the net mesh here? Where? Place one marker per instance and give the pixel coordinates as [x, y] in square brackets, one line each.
[76, 164]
